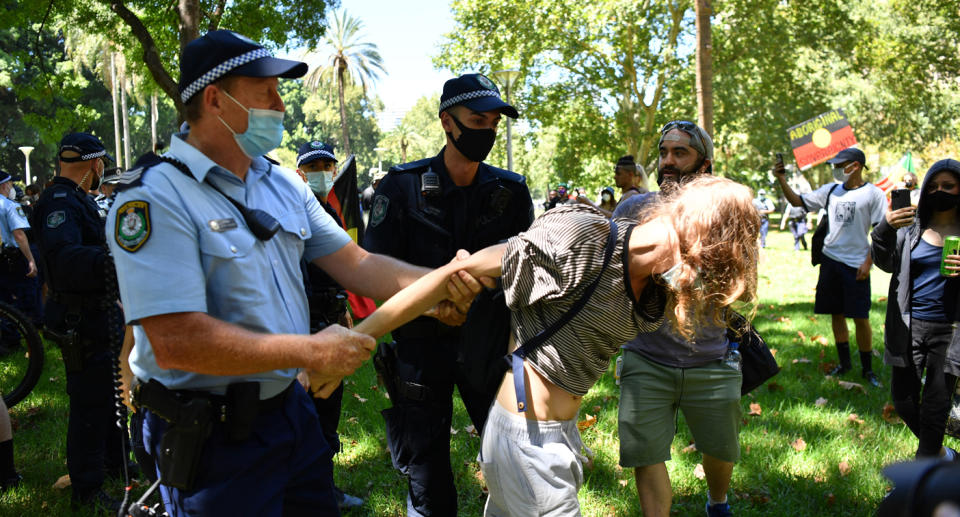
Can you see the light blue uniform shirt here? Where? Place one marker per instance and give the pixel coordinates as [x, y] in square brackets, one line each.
[11, 218]
[201, 257]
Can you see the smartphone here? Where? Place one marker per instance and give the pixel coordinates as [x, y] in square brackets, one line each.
[899, 198]
[779, 158]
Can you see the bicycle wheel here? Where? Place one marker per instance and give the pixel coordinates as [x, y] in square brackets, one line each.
[21, 355]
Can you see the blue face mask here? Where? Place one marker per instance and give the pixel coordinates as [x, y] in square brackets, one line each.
[320, 182]
[264, 130]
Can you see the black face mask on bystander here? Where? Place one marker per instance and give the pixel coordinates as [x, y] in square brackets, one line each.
[942, 201]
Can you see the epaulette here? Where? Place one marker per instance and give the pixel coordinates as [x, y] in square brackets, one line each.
[270, 160]
[134, 177]
[416, 167]
[504, 174]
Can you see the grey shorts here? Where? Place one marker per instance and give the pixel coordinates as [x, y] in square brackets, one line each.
[532, 468]
[650, 396]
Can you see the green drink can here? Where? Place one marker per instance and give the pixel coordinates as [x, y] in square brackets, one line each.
[951, 246]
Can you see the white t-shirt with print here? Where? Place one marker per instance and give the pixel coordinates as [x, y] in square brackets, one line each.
[852, 214]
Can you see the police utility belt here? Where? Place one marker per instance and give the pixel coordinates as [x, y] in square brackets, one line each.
[191, 417]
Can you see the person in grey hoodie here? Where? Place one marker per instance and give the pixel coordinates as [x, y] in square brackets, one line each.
[921, 345]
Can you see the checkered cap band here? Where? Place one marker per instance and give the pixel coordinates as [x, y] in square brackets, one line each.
[475, 94]
[218, 71]
[320, 153]
[93, 155]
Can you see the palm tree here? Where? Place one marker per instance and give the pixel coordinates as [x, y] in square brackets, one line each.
[345, 58]
[403, 135]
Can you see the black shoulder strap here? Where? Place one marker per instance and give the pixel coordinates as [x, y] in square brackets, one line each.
[261, 224]
[518, 355]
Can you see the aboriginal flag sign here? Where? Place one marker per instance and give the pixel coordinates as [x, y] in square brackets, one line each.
[344, 197]
[821, 138]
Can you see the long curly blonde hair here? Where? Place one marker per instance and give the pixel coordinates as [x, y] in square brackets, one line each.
[717, 227]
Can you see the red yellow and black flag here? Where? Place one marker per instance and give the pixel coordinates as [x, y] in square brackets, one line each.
[821, 138]
[344, 197]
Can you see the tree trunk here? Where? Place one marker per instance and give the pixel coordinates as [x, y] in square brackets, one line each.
[126, 118]
[341, 69]
[403, 151]
[189, 11]
[704, 66]
[116, 110]
[151, 56]
[153, 121]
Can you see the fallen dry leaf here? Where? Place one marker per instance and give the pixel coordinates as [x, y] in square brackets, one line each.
[771, 307]
[483, 482]
[358, 397]
[882, 299]
[471, 430]
[812, 318]
[773, 386]
[844, 468]
[624, 482]
[773, 352]
[801, 335]
[353, 420]
[853, 418]
[689, 448]
[374, 387]
[698, 471]
[831, 499]
[820, 402]
[755, 409]
[823, 341]
[587, 423]
[63, 482]
[453, 430]
[847, 385]
[798, 444]
[802, 360]
[596, 409]
[890, 414]
[783, 319]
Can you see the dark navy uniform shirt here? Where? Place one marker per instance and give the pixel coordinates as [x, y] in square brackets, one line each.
[73, 252]
[427, 230]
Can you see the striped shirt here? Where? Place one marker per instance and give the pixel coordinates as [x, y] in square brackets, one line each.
[545, 271]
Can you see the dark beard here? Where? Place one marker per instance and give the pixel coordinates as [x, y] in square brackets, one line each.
[678, 174]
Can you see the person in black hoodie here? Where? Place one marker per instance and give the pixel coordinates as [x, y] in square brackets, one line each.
[921, 345]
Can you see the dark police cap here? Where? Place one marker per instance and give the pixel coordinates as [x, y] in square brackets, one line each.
[477, 92]
[315, 150]
[85, 145]
[850, 154]
[5, 177]
[222, 53]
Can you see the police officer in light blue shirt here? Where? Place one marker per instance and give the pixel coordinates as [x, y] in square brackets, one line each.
[18, 271]
[207, 241]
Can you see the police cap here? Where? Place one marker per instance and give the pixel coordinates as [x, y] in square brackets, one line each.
[222, 53]
[315, 150]
[85, 145]
[475, 91]
[5, 177]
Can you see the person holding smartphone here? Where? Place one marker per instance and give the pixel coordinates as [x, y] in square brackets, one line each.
[843, 287]
[922, 310]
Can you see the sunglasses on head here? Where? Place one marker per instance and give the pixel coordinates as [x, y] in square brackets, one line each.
[683, 125]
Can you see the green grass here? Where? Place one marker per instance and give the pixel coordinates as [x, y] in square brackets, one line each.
[771, 479]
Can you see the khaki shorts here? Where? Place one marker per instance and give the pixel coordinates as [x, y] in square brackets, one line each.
[651, 394]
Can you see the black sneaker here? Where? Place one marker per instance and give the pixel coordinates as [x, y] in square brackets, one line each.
[346, 501]
[839, 370]
[10, 483]
[872, 379]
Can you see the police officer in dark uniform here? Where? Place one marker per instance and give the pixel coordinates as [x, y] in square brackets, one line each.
[422, 213]
[327, 299]
[82, 314]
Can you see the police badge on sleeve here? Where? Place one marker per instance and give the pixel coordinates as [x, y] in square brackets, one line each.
[133, 225]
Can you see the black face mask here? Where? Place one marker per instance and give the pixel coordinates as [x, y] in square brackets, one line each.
[475, 144]
[942, 201]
